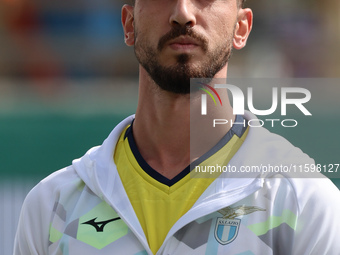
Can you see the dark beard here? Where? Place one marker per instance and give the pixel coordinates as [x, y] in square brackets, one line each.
[176, 78]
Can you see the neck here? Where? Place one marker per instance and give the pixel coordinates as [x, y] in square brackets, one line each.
[165, 122]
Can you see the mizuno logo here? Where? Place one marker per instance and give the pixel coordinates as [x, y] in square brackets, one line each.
[99, 225]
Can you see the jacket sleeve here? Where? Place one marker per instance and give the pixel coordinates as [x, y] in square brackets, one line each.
[318, 225]
[33, 229]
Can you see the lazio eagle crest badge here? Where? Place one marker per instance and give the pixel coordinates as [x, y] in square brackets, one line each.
[227, 227]
[226, 230]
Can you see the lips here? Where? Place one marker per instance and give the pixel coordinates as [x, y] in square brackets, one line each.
[183, 43]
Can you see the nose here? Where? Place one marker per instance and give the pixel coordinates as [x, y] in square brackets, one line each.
[183, 13]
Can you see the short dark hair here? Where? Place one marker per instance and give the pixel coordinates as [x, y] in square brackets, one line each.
[241, 3]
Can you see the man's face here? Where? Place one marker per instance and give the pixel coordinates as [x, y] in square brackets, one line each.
[182, 39]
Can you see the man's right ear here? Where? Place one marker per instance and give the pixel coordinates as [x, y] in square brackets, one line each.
[127, 22]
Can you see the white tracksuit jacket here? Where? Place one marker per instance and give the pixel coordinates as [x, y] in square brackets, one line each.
[84, 210]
